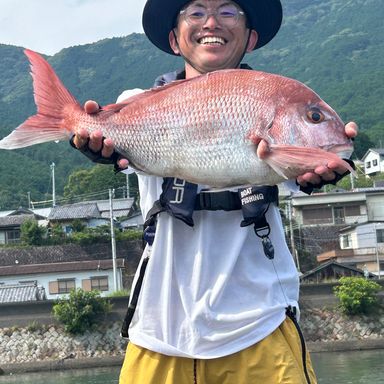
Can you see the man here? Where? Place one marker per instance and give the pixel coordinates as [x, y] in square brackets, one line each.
[217, 303]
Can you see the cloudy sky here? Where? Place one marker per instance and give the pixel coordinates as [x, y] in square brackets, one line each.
[47, 26]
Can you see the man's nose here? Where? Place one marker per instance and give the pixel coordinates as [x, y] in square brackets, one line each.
[211, 21]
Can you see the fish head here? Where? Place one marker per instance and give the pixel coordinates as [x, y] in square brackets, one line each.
[303, 119]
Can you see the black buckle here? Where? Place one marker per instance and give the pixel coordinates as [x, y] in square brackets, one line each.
[215, 201]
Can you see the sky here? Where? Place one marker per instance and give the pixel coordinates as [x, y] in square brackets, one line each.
[47, 26]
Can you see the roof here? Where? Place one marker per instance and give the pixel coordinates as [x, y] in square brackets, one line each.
[329, 264]
[21, 293]
[10, 256]
[379, 151]
[16, 220]
[74, 266]
[92, 209]
[75, 211]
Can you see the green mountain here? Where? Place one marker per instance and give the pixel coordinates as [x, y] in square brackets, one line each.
[334, 46]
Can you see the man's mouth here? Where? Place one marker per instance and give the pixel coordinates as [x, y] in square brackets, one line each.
[212, 40]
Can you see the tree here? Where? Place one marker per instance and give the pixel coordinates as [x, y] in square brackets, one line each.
[357, 295]
[88, 181]
[81, 310]
[32, 233]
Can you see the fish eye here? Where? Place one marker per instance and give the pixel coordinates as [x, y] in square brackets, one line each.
[315, 116]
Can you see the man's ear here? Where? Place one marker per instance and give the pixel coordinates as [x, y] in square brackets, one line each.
[173, 42]
[252, 41]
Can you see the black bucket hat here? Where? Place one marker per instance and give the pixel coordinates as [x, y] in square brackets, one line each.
[159, 17]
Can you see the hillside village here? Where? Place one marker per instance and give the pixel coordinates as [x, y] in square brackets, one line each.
[331, 234]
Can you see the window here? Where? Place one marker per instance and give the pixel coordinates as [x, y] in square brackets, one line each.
[374, 163]
[338, 213]
[352, 210]
[380, 235]
[368, 164]
[320, 215]
[346, 241]
[99, 283]
[12, 236]
[66, 285]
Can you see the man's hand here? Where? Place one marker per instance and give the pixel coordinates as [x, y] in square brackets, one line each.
[94, 146]
[326, 174]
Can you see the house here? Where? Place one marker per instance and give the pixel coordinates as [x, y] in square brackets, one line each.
[373, 161]
[92, 213]
[332, 271]
[58, 269]
[58, 279]
[29, 291]
[360, 246]
[11, 222]
[319, 218]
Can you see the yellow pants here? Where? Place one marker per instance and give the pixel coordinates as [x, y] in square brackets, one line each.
[277, 359]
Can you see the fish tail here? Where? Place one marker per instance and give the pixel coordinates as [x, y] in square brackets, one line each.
[52, 101]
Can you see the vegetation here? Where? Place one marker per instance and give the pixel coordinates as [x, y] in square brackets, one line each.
[357, 295]
[121, 293]
[32, 233]
[334, 46]
[81, 311]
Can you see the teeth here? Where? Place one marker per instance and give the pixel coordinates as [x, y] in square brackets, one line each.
[212, 40]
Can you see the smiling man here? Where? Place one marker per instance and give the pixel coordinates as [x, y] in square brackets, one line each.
[216, 302]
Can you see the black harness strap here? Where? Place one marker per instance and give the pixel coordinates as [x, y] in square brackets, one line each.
[135, 296]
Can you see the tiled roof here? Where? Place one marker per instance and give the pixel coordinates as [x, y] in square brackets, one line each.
[60, 267]
[21, 293]
[10, 256]
[75, 211]
[118, 205]
[15, 220]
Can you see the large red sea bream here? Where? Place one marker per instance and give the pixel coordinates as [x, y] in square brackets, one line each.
[207, 130]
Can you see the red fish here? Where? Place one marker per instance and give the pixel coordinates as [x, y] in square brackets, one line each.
[225, 128]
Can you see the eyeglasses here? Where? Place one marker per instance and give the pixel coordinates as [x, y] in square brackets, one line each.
[226, 15]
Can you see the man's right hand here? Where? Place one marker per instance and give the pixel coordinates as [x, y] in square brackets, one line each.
[94, 145]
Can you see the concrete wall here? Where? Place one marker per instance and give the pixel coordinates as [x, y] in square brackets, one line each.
[24, 314]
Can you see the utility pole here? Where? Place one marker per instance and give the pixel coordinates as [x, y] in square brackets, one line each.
[113, 241]
[53, 185]
[377, 253]
[127, 181]
[293, 248]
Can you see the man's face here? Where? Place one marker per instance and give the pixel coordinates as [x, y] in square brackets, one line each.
[210, 37]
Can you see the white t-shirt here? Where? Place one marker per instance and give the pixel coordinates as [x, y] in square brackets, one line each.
[209, 290]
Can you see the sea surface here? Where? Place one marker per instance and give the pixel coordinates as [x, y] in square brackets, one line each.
[356, 367]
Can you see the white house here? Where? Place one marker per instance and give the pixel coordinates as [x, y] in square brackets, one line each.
[373, 161]
[57, 279]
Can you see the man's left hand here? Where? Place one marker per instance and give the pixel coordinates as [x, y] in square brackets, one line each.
[326, 174]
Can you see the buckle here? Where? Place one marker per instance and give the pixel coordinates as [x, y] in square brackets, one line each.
[215, 201]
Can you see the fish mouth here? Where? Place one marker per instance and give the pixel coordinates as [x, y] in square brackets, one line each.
[344, 151]
[212, 40]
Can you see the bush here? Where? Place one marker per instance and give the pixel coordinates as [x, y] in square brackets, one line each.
[357, 295]
[32, 233]
[81, 311]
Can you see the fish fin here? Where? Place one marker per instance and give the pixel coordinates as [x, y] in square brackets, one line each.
[52, 99]
[290, 161]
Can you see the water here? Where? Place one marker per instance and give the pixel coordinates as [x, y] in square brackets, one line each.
[355, 367]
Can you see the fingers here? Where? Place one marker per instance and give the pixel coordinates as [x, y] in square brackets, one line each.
[321, 174]
[351, 129]
[123, 163]
[107, 149]
[91, 107]
[81, 138]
